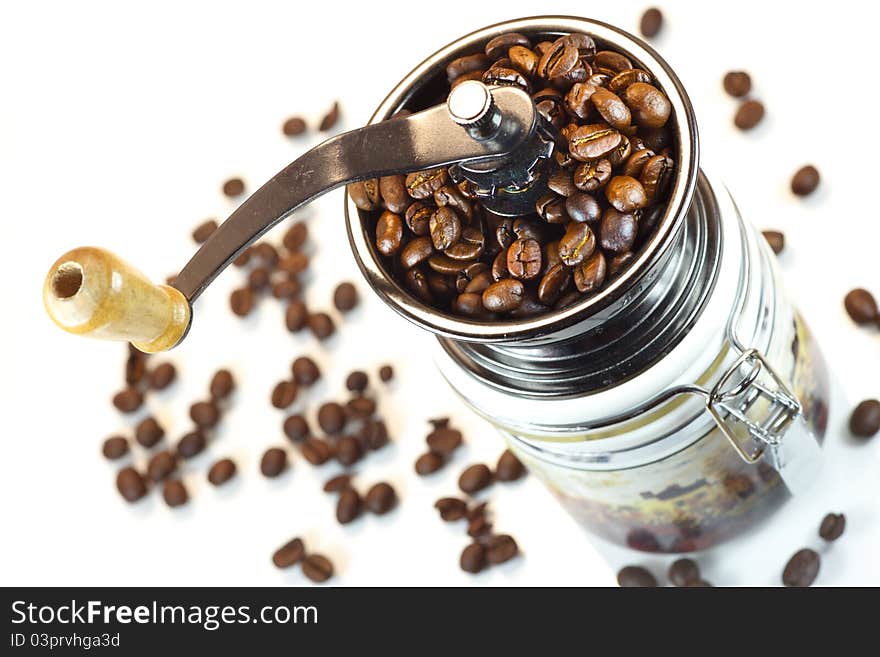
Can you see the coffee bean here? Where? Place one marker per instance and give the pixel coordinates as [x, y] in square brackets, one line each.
[418, 218]
[592, 142]
[473, 558]
[317, 568]
[289, 554]
[583, 208]
[258, 278]
[233, 187]
[345, 297]
[348, 451]
[348, 506]
[524, 259]
[503, 296]
[611, 61]
[416, 251]
[479, 527]
[802, 569]
[174, 493]
[861, 306]
[305, 371]
[191, 444]
[650, 107]
[286, 288]
[775, 239]
[577, 244]
[651, 22]
[590, 275]
[865, 419]
[682, 571]
[394, 195]
[445, 228]
[805, 180]
[130, 484]
[115, 447]
[241, 301]
[222, 384]
[500, 45]
[331, 417]
[465, 65]
[274, 462]
[365, 194]
[635, 163]
[655, 178]
[204, 230]
[554, 283]
[558, 60]
[635, 576]
[611, 108]
[162, 376]
[618, 263]
[296, 236]
[357, 381]
[148, 432]
[444, 441]
[293, 263]
[373, 433]
[475, 478]
[452, 196]
[296, 428]
[360, 407]
[321, 325]
[509, 468]
[832, 526]
[205, 414]
[296, 315]
[161, 465]
[501, 548]
[748, 115]
[737, 83]
[221, 472]
[423, 184]
[337, 483]
[293, 126]
[283, 394]
[592, 176]
[330, 118]
[243, 258]
[617, 231]
[380, 498]
[428, 463]
[316, 451]
[129, 400]
[451, 508]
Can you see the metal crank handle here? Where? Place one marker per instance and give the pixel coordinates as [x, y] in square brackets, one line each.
[91, 292]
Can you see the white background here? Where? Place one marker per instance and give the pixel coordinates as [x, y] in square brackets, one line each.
[117, 127]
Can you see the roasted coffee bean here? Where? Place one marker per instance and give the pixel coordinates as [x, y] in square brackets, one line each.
[331, 417]
[473, 75]
[591, 176]
[524, 259]
[550, 104]
[470, 304]
[618, 263]
[162, 376]
[295, 315]
[577, 244]
[330, 118]
[148, 432]
[221, 472]
[357, 381]
[509, 468]
[524, 59]
[203, 231]
[192, 444]
[683, 571]
[451, 508]
[305, 371]
[635, 576]
[583, 208]
[316, 451]
[469, 246]
[386, 373]
[321, 325]
[360, 407]
[567, 299]
[394, 194]
[233, 187]
[205, 414]
[296, 427]
[451, 195]
[294, 263]
[444, 441]
[337, 483]
[467, 64]
[805, 180]
[864, 421]
[244, 257]
[559, 59]
[423, 184]
[651, 22]
[115, 447]
[222, 384]
[861, 306]
[577, 100]
[506, 76]
[611, 108]
[373, 434]
[501, 548]
[389, 233]
[258, 278]
[748, 115]
[650, 107]
[590, 275]
[551, 208]
[129, 400]
[620, 82]
[479, 527]
[345, 297]
[348, 506]
[418, 217]
[525, 228]
[591, 142]
[293, 126]
[295, 236]
[267, 253]
[428, 463]
[446, 266]
[475, 478]
[635, 163]
[130, 484]
[348, 451]
[554, 283]
[445, 228]
[737, 83]
[274, 462]
[380, 498]
[499, 266]
[241, 301]
[775, 239]
[289, 554]
[611, 61]
[174, 493]
[561, 183]
[416, 251]
[500, 45]
[317, 568]
[417, 283]
[366, 194]
[617, 231]
[473, 558]
[284, 394]
[626, 194]
[802, 569]
[832, 526]
[161, 465]
[655, 177]
[503, 296]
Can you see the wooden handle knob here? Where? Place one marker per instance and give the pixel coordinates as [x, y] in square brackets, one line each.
[92, 292]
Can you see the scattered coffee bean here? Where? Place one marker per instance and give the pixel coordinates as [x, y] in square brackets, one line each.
[802, 569]
[444, 441]
[348, 451]
[305, 371]
[222, 471]
[373, 433]
[509, 468]
[321, 325]
[805, 180]
[348, 506]
[258, 278]
[330, 119]
[131, 484]
[345, 297]
[233, 187]
[737, 83]
[316, 451]
[274, 462]
[148, 432]
[865, 419]
[861, 306]
[294, 263]
[317, 568]
[501, 548]
[479, 526]
[337, 483]
[129, 400]
[748, 115]
[284, 394]
[115, 447]
[331, 417]
[775, 239]
[286, 288]
[682, 571]
[204, 231]
[429, 463]
[241, 301]
[293, 126]
[357, 381]
[205, 414]
[289, 554]
[161, 465]
[832, 526]
[191, 444]
[222, 384]
[174, 493]
[651, 22]
[386, 373]
[296, 428]
[475, 478]
[635, 576]
[380, 498]
[473, 558]
[296, 236]
[360, 407]
[451, 508]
